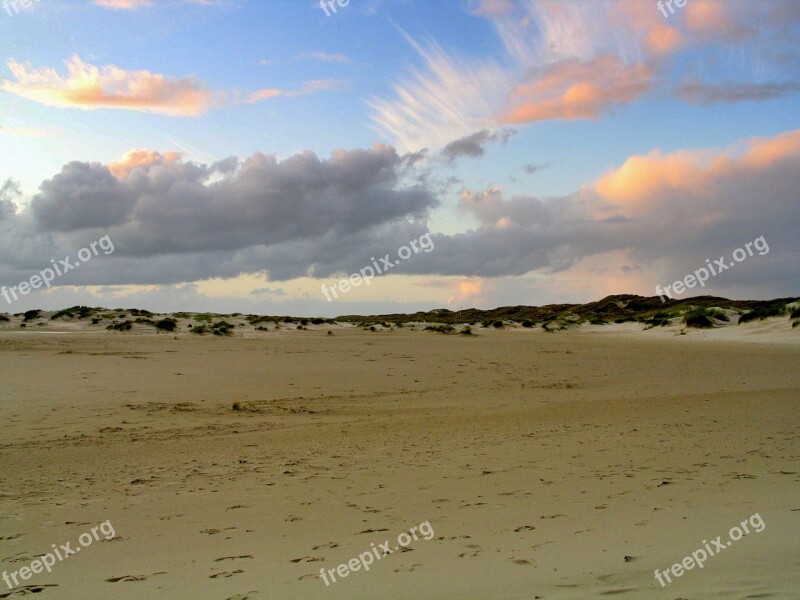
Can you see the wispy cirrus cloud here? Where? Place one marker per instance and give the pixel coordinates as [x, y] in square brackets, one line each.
[134, 4]
[24, 131]
[575, 60]
[309, 87]
[89, 87]
[695, 92]
[325, 57]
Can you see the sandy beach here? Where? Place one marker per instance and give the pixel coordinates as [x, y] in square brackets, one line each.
[567, 465]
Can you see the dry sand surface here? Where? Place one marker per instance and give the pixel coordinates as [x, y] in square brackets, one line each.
[540, 460]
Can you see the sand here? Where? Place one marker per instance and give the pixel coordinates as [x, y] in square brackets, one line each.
[548, 465]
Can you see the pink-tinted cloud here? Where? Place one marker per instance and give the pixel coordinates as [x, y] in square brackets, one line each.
[89, 87]
[579, 90]
[123, 4]
[309, 87]
[141, 159]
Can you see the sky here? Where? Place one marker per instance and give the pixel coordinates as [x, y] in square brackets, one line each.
[246, 156]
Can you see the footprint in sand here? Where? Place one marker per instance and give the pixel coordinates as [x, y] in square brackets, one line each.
[329, 545]
[27, 589]
[226, 574]
[133, 577]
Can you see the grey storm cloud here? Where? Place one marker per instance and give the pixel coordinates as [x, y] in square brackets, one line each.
[474, 145]
[173, 222]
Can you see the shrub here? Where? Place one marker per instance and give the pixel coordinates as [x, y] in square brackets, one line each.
[440, 328]
[4, 318]
[81, 311]
[317, 321]
[199, 330]
[795, 314]
[701, 317]
[372, 328]
[288, 320]
[167, 324]
[527, 324]
[466, 331]
[124, 326]
[221, 328]
[598, 321]
[30, 315]
[764, 312]
[330, 333]
[303, 322]
[497, 324]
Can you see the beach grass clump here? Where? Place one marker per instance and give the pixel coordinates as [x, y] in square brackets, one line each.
[440, 328]
[124, 326]
[763, 312]
[168, 324]
[81, 312]
[222, 328]
[30, 315]
[701, 318]
[466, 331]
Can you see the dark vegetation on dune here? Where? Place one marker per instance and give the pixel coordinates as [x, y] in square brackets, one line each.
[696, 312]
[623, 308]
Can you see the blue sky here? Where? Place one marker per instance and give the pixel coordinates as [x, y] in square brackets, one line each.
[517, 132]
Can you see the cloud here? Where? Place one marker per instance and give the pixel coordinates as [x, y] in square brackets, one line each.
[134, 4]
[265, 94]
[532, 168]
[326, 57]
[579, 90]
[448, 99]
[694, 92]
[473, 145]
[309, 87]
[649, 220]
[88, 87]
[491, 8]
[23, 131]
[576, 60]
[123, 4]
[140, 159]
